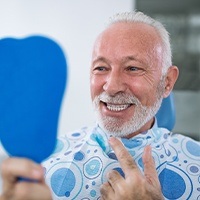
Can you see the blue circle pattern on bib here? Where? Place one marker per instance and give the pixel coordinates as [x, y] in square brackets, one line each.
[82, 159]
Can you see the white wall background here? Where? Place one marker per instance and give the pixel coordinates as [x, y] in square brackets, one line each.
[74, 25]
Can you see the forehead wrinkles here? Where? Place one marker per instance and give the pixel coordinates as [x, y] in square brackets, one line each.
[104, 52]
[138, 40]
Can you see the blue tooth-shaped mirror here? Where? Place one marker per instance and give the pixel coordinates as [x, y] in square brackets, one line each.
[33, 74]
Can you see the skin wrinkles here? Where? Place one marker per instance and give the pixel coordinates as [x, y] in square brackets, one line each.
[148, 39]
[127, 58]
[146, 69]
[147, 57]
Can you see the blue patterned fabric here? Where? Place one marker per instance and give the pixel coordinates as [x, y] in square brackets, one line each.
[82, 158]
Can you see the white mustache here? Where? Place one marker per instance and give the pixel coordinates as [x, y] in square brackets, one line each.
[120, 98]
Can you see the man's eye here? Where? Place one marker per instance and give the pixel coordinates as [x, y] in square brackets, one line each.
[100, 68]
[131, 68]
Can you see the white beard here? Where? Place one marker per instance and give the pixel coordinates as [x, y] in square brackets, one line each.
[142, 114]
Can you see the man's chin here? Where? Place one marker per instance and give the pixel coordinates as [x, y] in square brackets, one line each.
[115, 129]
[115, 126]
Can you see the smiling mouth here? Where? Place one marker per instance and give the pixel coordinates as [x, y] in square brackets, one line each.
[116, 107]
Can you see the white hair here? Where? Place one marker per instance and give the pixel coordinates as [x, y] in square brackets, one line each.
[163, 33]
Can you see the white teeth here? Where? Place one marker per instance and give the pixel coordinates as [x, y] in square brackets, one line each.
[117, 107]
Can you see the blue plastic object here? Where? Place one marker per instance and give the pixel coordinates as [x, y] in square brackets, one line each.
[166, 116]
[33, 74]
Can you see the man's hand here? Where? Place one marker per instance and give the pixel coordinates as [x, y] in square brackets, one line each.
[135, 185]
[15, 189]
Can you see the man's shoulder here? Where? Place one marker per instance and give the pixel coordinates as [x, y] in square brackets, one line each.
[179, 141]
[179, 136]
[186, 145]
[77, 134]
[70, 142]
[73, 138]
[176, 136]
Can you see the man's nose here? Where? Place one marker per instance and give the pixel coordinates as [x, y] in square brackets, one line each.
[114, 84]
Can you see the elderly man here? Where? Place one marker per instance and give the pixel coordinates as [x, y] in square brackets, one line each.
[125, 156]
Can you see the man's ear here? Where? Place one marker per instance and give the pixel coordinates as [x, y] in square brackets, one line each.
[170, 79]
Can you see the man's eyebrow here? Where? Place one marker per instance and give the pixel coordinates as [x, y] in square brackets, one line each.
[124, 60]
[129, 58]
[132, 58]
[100, 59]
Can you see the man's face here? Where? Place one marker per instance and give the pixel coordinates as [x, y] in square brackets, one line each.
[126, 78]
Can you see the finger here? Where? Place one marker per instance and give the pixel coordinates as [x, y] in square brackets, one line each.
[125, 159]
[12, 168]
[115, 179]
[106, 191]
[32, 191]
[149, 165]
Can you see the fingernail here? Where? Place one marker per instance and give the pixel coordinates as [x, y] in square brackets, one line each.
[112, 140]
